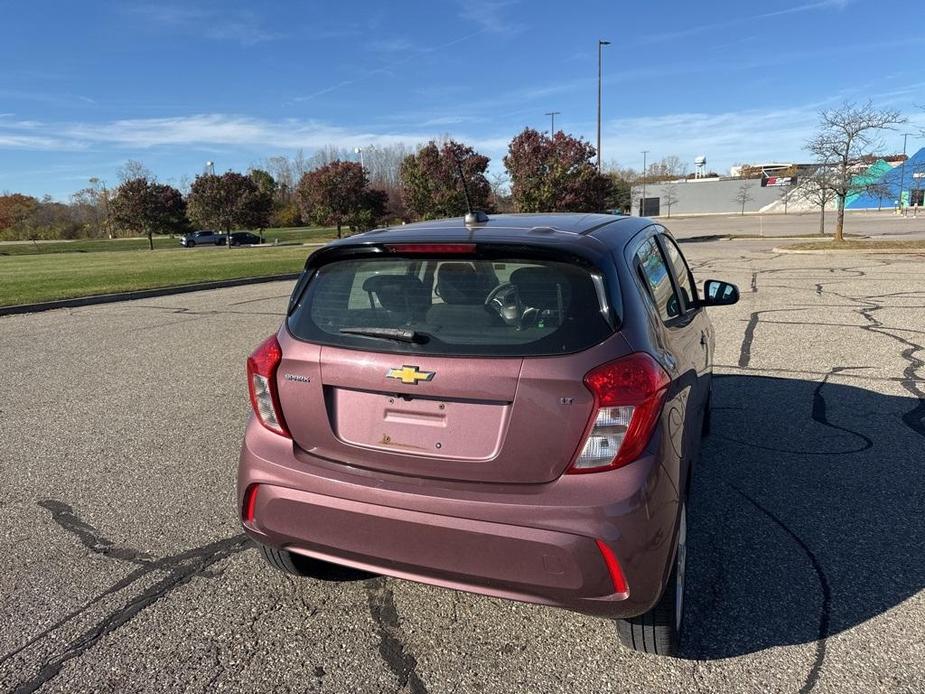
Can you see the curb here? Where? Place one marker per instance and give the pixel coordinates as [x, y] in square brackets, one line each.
[826, 251]
[704, 238]
[141, 294]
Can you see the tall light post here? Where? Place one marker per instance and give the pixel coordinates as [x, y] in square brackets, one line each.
[600, 70]
[359, 152]
[902, 172]
[642, 203]
[210, 168]
[552, 121]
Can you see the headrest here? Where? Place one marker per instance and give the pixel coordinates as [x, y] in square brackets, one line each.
[459, 283]
[544, 288]
[403, 293]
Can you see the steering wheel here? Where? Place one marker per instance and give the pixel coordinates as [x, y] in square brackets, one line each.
[504, 300]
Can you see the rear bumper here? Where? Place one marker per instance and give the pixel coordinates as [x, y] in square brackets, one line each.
[534, 543]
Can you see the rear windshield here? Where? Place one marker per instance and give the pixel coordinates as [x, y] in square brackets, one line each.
[458, 307]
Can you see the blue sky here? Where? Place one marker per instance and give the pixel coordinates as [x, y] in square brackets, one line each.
[86, 86]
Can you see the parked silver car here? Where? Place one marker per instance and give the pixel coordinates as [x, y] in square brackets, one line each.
[203, 236]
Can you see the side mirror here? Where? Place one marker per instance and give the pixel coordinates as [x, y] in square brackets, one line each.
[719, 293]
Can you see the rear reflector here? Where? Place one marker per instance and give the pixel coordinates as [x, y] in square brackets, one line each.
[628, 397]
[261, 382]
[250, 503]
[433, 248]
[613, 568]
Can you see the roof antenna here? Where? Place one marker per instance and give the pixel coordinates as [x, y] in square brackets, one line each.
[472, 216]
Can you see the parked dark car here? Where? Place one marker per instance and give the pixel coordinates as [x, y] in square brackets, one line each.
[202, 237]
[510, 407]
[241, 238]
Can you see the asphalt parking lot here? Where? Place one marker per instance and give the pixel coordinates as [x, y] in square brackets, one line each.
[124, 568]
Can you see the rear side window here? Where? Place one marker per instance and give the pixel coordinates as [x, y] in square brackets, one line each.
[452, 306]
[654, 273]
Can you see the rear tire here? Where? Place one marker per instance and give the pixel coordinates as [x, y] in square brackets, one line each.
[306, 567]
[658, 631]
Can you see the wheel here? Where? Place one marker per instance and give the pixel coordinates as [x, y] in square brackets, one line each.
[658, 631]
[306, 567]
[190, 244]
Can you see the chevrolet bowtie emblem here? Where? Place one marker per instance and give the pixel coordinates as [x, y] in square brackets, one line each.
[410, 375]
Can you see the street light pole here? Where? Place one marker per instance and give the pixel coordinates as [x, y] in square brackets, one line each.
[552, 121]
[642, 204]
[359, 152]
[600, 69]
[902, 172]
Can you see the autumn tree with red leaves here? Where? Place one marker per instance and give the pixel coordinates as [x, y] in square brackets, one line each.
[555, 174]
[338, 194]
[149, 208]
[230, 201]
[431, 185]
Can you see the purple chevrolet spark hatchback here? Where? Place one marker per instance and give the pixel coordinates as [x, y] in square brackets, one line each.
[509, 406]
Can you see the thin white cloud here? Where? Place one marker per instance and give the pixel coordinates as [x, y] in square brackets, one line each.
[224, 24]
[725, 138]
[751, 19]
[413, 52]
[490, 15]
[205, 131]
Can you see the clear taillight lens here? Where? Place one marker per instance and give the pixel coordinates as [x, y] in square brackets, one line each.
[261, 381]
[606, 437]
[628, 398]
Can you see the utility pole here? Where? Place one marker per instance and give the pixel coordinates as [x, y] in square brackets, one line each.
[902, 172]
[552, 122]
[642, 204]
[600, 69]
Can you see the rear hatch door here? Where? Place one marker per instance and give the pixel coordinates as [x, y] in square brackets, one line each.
[479, 399]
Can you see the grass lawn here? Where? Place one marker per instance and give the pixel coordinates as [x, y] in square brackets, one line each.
[32, 278]
[858, 245]
[291, 235]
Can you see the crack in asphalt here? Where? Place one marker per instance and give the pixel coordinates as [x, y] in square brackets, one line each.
[825, 616]
[745, 351]
[392, 647]
[180, 569]
[819, 415]
[915, 418]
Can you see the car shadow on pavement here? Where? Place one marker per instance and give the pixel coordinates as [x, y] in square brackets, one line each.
[805, 516]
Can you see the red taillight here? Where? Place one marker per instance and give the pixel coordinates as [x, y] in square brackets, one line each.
[250, 503]
[432, 248]
[261, 382]
[613, 568]
[628, 397]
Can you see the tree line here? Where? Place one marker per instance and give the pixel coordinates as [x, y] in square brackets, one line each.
[395, 184]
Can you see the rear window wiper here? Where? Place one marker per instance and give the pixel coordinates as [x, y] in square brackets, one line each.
[398, 334]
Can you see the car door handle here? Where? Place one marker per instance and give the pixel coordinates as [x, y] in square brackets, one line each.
[703, 339]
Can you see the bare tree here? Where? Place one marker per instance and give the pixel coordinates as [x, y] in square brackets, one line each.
[784, 195]
[183, 184]
[94, 201]
[326, 155]
[666, 168]
[818, 189]
[299, 166]
[500, 184]
[845, 134]
[669, 195]
[744, 196]
[134, 169]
